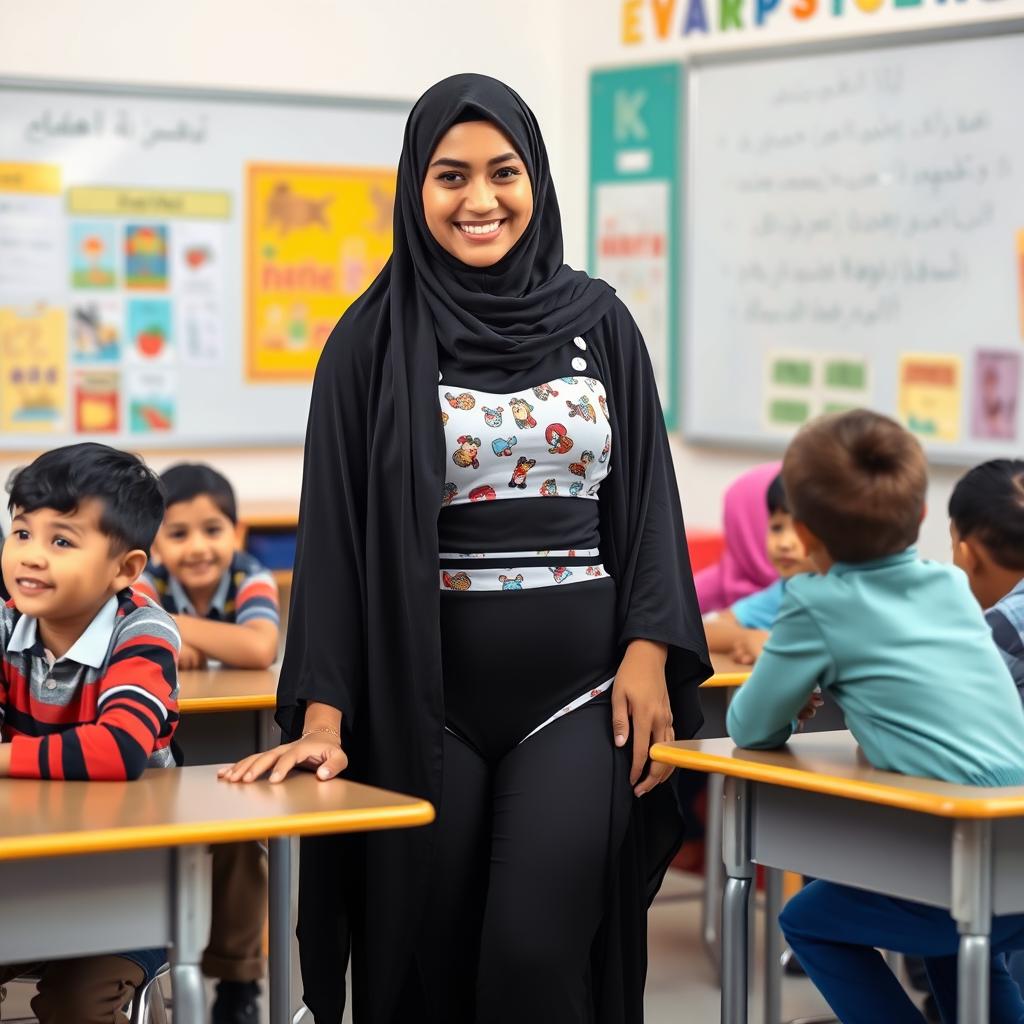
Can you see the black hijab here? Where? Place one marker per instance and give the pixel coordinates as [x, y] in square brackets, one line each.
[364, 629]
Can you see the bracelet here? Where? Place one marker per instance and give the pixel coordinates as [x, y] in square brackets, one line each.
[323, 728]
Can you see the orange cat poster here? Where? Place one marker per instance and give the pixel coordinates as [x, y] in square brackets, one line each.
[315, 238]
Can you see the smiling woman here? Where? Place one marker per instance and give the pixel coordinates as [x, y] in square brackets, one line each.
[477, 196]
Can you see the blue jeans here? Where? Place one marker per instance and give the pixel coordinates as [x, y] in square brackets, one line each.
[834, 931]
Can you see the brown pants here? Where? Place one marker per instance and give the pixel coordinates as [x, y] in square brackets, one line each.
[238, 914]
[88, 990]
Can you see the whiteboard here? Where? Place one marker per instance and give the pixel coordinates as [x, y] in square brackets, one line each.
[90, 174]
[855, 236]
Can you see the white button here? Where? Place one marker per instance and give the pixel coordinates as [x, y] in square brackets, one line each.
[579, 364]
[51, 684]
[580, 344]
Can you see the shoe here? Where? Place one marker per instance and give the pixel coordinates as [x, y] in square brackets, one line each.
[237, 1002]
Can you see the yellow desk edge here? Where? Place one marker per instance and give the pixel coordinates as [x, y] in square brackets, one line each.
[725, 679]
[852, 789]
[146, 837]
[203, 705]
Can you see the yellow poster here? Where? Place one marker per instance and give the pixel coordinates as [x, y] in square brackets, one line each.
[33, 369]
[316, 237]
[931, 387]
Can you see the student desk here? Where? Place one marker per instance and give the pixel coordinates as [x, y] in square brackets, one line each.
[98, 867]
[728, 673]
[817, 807]
[208, 690]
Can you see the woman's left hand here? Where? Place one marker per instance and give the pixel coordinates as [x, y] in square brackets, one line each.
[641, 695]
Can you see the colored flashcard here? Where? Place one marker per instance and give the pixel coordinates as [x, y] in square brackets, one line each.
[33, 369]
[788, 412]
[145, 256]
[930, 392]
[316, 238]
[791, 392]
[93, 254]
[152, 401]
[792, 371]
[198, 260]
[96, 328]
[996, 395]
[149, 331]
[199, 325]
[97, 401]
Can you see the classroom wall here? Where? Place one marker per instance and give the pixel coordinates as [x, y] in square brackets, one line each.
[395, 48]
[594, 39]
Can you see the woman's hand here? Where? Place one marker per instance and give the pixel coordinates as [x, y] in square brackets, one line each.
[317, 750]
[639, 693]
[190, 657]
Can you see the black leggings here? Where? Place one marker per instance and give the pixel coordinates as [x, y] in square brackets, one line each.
[523, 849]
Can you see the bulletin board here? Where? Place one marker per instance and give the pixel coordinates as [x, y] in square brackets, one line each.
[172, 261]
[854, 236]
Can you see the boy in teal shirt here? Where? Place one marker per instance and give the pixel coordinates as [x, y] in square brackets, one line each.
[905, 651]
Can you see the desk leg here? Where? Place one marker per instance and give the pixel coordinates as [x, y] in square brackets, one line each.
[269, 734]
[191, 923]
[772, 946]
[736, 824]
[972, 910]
[280, 869]
[711, 907]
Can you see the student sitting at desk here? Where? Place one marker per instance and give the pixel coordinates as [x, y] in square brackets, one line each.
[225, 604]
[88, 678]
[743, 629]
[905, 651]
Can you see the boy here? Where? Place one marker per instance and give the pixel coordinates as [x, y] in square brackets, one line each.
[225, 605]
[906, 653]
[88, 679]
[743, 629]
[986, 525]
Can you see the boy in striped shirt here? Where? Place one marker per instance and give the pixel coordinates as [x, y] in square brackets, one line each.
[225, 605]
[88, 668]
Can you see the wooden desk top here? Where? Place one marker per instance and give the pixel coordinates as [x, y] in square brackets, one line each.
[272, 514]
[831, 763]
[727, 672]
[227, 689]
[178, 806]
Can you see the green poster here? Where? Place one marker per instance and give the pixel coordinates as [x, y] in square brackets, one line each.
[635, 135]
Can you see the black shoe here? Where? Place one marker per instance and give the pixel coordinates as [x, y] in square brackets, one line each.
[237, 1002]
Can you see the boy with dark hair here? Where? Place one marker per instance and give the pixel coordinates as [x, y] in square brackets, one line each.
[905, 651]
[743, 629]
[986, 524]
[225, 605]
[88, 677]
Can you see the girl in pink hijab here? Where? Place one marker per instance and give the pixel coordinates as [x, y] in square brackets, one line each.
[744, 566]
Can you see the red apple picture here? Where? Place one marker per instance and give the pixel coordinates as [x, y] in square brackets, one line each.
[150, 341]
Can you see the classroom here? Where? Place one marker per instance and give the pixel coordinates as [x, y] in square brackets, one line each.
[742, 282]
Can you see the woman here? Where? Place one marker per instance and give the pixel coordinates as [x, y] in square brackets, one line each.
[519, 691]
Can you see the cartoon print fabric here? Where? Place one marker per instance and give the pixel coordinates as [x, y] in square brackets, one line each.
[551, 440]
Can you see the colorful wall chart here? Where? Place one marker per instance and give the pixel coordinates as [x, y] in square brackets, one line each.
[33, 369]
[315, 237]
[930, 388]
[634, 204]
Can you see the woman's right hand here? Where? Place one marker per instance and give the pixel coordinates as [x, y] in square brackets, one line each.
[319, 751]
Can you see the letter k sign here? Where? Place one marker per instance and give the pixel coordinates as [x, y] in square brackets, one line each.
[628, 122]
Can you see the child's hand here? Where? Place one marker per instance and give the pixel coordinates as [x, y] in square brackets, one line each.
[748, 647]
[810, 709]
[190, 657]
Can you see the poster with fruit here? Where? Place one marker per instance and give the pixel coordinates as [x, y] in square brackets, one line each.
[145, 256]
[150, 340]
[93, 251]
[152, 401]
[197, 269]
[97, 401]
[316, 236]
[33, 369]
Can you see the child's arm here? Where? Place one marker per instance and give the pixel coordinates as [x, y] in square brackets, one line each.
[251, 644]
[136, 705]
[748, 648]
[723, 632]
[792, 664]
